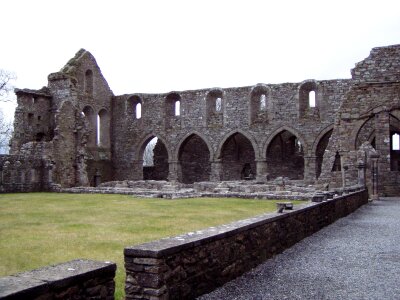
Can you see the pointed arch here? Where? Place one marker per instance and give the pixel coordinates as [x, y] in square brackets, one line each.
[319, 147]
[237, 155]
[194, 159]
[230, 134]
[320, 135]
[141, 145]
[159, 156]
[284, 153]
[364, 130]
[175, 156]
[278, 131]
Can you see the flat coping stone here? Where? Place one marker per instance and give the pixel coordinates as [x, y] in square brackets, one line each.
[170, 245]
[57, 276]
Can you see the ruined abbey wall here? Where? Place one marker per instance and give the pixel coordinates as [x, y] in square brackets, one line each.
[83, 134]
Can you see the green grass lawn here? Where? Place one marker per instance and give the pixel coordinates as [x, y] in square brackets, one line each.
[38, 229]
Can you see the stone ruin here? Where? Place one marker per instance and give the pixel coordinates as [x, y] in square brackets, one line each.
[76, 133]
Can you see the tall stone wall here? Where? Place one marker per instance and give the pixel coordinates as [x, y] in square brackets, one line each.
[271, 130]
[370, 113]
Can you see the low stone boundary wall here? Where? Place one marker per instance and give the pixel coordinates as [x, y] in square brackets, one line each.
[187, 266]
[76, 279]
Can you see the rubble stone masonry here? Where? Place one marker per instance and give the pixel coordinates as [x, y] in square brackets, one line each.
[76, 132]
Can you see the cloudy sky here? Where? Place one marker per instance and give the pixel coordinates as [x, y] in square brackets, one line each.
[160, 46]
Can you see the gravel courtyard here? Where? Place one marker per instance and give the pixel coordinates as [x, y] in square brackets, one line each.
[357, 257]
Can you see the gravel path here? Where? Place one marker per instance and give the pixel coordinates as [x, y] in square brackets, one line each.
[357, 257]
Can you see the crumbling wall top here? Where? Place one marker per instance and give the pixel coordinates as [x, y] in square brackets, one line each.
[382, 65]
[44, 91]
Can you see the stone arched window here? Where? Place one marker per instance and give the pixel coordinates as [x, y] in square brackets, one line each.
[91, 125]
[134, 107]
[89, 82]
[173, 105]
[395, 141]
[103, 129]
[259, 105]
[215, 105]
[308, 100]
[177, 108]
[311, 99]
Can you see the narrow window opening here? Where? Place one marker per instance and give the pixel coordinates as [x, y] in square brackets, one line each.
[30, 118]
[89, 82]
[337, 164]
[218, 104]
[311, 99]
[98, 131]
[263, 102]
[138, 110]
[177, 108]
[396, 141]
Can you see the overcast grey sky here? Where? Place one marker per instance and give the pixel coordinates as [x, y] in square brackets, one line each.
[160, 46]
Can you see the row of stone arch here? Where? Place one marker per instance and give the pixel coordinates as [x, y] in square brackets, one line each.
[237, 157]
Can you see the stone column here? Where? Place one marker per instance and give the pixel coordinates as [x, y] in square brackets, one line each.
[343, 168]
[382, 146]
[375, 183]
[174, 171]
[261, 172]
[216, 170]
[137, 167]
[310, 168]
[361, 173]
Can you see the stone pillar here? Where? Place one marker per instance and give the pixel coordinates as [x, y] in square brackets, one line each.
[137, 166]
[375, 183]
[382, 146]
[216, 170]
[261, 172]
[361, 173]
[343, 168]
[174, 171]
[310, 168]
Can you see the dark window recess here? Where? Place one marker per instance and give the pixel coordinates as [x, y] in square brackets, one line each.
[336, 164]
